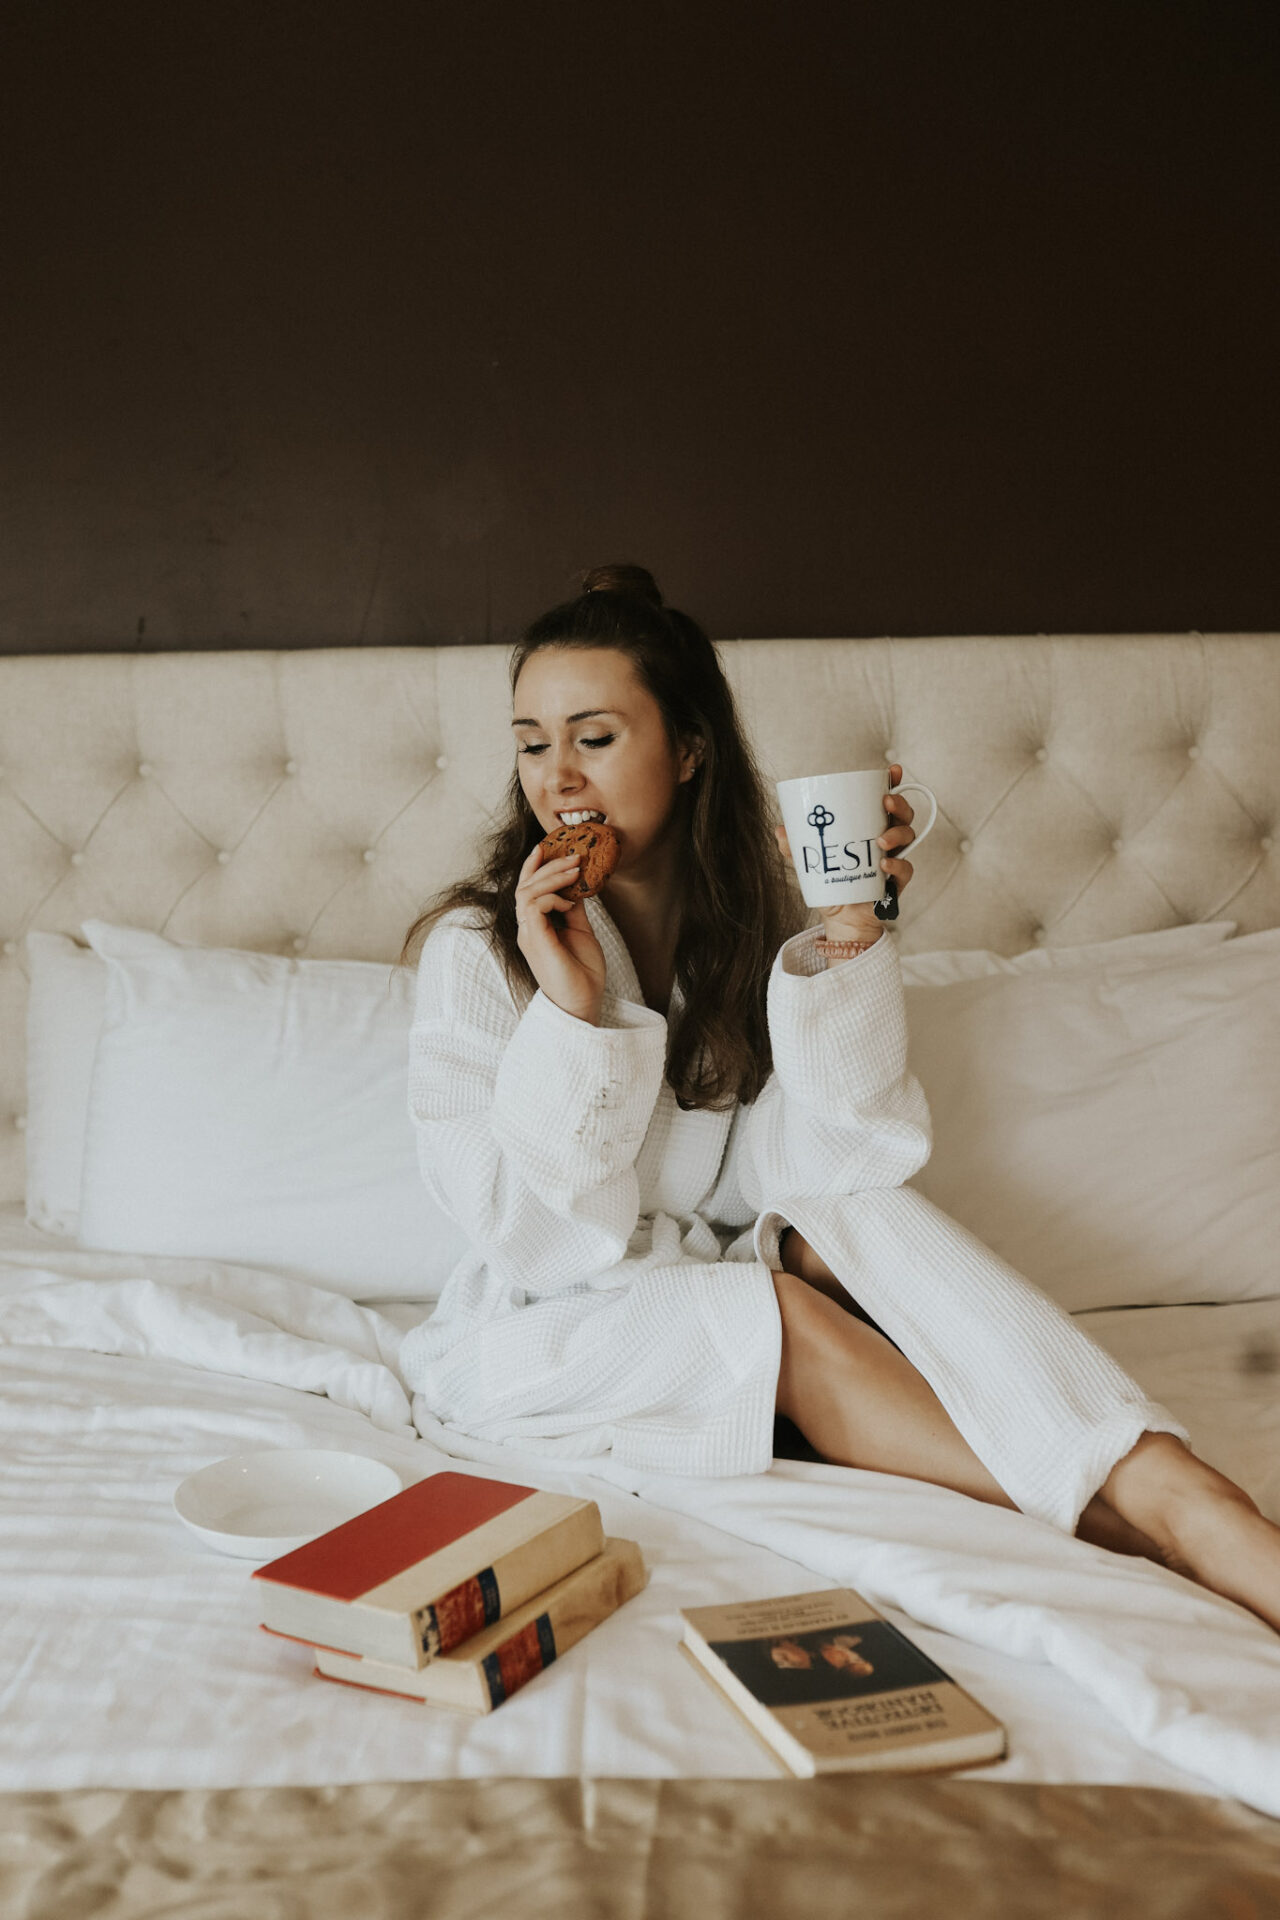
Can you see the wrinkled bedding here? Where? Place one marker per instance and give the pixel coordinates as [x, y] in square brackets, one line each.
[132, 1660]
[881, 1846]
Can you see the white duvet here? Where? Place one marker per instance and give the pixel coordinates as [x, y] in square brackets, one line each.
[131, 1655]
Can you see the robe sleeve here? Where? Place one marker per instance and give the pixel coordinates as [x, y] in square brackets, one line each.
[840, 1113]
[528, 1123]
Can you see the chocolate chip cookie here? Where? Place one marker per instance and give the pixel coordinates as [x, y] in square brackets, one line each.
[595, 844]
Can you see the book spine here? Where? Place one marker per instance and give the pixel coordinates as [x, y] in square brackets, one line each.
[514, 1577]
[572, 1609]
[519, 1659]
[456, 1615]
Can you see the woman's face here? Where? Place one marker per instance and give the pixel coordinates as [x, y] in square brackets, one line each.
[590, 740]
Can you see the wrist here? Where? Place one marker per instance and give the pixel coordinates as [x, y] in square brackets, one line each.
[857, 922]
[835, 952]
[589, 1015]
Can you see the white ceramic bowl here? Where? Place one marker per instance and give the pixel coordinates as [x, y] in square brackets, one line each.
[260, 1505]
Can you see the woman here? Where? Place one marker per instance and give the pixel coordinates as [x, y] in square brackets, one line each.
[675, 1125]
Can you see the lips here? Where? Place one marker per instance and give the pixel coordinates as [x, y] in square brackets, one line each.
[579, 816]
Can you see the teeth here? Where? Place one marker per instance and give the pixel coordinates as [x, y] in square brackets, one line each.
[578, 819]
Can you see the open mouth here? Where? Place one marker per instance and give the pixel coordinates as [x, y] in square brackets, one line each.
[579, 817]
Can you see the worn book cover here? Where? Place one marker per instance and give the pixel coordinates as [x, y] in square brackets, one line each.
[497, 1662]
[833, 1686]
[423, 1571]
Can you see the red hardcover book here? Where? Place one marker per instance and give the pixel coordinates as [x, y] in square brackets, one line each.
[423, 1571]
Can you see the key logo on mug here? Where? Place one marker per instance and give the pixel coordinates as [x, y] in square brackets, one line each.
[833, 821]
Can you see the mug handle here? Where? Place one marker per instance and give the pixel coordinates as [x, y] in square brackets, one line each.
[914, 786]
[887, 909]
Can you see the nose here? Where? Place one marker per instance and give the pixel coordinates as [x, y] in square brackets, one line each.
[565, 777]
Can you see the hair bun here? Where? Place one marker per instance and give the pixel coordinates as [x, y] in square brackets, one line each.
[621, 578]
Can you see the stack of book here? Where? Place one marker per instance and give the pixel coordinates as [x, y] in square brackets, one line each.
[456, 1592]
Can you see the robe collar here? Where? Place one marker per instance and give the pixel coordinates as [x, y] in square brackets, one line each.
[621, 976]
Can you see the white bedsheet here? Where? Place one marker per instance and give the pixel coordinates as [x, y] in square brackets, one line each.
[131, 1656]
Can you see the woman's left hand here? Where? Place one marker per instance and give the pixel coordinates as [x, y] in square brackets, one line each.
[858, 918]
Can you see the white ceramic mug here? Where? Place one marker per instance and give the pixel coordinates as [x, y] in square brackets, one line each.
[833, 821]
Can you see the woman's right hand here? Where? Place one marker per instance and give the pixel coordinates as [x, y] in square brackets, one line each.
[567, 962]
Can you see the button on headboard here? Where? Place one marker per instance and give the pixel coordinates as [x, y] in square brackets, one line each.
[310, 802]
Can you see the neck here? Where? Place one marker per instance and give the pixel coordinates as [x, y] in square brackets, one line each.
[644, 904]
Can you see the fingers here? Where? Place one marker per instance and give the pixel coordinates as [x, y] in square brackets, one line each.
[896, 838]
[780, 834]
[556, 873]
[899, 834]
[539, 890]
[535, 867]
[536, 920]
[547, 903]
[533, 860]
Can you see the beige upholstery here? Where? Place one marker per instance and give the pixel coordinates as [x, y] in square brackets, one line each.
[309, 802]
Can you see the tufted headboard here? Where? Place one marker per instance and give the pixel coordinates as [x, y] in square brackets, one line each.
[309, 802]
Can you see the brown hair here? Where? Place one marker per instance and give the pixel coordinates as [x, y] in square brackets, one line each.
[738, 904]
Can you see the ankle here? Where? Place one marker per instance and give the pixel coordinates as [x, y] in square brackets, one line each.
[1163, 1489]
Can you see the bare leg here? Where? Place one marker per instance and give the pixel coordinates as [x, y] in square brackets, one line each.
[1203, 1524]
[861, 1403]
[954, 1464]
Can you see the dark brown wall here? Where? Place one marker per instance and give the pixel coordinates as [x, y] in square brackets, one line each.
[373, 324]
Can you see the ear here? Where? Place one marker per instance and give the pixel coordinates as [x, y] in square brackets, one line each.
[688, 758]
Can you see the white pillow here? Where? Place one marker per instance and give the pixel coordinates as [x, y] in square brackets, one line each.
[1113, 1130]
[251, 1108]
[64, 1019]
[1137, 949]
[65, 1010]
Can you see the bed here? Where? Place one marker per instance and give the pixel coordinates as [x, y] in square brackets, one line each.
[1105, 853]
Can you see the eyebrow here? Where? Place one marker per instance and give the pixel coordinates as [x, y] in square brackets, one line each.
[591, 713]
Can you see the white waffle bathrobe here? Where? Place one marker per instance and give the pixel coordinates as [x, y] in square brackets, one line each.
[618, 1295]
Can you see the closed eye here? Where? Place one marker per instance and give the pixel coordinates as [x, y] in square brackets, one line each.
[602, 740]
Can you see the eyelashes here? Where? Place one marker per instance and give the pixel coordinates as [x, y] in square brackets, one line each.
[604, 740]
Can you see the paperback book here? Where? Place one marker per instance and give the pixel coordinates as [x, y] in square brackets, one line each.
[499, 1660]
[427, 1569]
[834, 1687]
